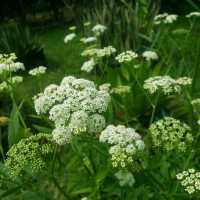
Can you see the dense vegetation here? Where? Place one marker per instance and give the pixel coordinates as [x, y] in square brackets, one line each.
[105, 107]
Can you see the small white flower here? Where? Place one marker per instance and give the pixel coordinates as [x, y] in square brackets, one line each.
[72, 28]
[126, 56]
[124, 143]
[62, 135]
[105, 87]
[88, 40]
[99, 53]
[88, 66]
[171, 134]
[166, 84]
[99, 29]
[87, 24]
[193, 14]
[184, 81]
[190, 180]
[165, 18]
[37, 71]
[69, 37]
[150, 55]
[121, 89]
[96, 123]
[8, 64]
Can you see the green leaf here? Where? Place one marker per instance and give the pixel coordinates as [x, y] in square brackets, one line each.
[15, 130]
[125, 73]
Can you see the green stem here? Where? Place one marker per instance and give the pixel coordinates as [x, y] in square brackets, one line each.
[143, 90]
[53, 178]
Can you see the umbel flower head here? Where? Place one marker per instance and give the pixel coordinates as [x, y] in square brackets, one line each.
[72, 28]
[99, 29]
[88, 40]
[11, 82]
[88, 66]
[99, 53]
[165, 18]
[75, 106]
[69, 37]
[170, 134]
[190, 180]
[126, 56]
[8, 63]
[29, 154]
[150, 55]
[38, 71]
[166, 84]
[193, 14]
[126, 145]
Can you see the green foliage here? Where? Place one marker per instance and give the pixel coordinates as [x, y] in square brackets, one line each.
[40, 169]
[21, 40]
[134, 31]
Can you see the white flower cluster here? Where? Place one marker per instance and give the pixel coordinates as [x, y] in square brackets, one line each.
[38, 71]
[125, 145]
[184, 81]
[84, 198]
[171, 134]
[106, 51]
[125, 178]
[165, 18]
[190, 180]
[9, 83]
[166, 84]
[196, 102]
[72, 28]
[99, 29]
[8, 63]
[121, 89]
[69, 37]
[99, 53]
[87, 24]
[88, 40]
[88, 65]
[150, 55]
[126, 56]
[193, 14]
[75, 106]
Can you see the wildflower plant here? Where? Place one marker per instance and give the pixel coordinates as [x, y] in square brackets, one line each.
[166, 84]
[126, 146]
[32, 154]
[171, 134]
[84, 156]
[8, 66]
[165, 18]
[190, 180]
[38, 71]
[126, 56]
[69, 37]
[75, 106]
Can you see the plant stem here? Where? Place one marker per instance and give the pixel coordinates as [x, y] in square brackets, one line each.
[53, 178]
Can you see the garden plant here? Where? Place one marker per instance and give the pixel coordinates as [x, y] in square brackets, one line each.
[125, 127]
